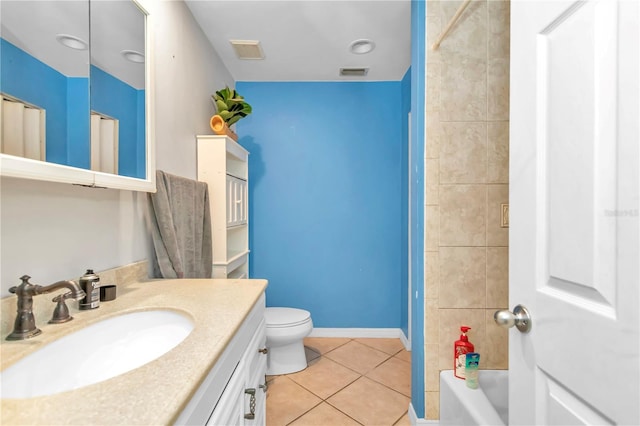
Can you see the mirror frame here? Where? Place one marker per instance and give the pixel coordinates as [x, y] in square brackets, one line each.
[25, 168]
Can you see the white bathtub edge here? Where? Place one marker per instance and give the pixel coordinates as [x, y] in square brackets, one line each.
[477, 407]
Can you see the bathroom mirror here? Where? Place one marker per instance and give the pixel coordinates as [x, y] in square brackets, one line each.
[74, 112]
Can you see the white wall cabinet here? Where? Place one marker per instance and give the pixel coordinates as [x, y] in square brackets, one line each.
[235, 390]
[223, 164]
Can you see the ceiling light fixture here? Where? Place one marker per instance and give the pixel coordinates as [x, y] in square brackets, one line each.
[72, 42]
[133, 56]
[362, 46]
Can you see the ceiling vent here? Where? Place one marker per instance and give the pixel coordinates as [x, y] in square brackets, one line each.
[353, 72]
[247, 49]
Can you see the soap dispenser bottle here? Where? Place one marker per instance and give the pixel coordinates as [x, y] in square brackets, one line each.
[460, 349]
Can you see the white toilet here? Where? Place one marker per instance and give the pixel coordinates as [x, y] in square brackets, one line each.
[286, 327]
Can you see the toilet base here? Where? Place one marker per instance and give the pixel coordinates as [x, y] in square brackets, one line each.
[286, 359]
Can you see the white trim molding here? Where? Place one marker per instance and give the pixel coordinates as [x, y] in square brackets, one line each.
[415, 421]
[354, 333]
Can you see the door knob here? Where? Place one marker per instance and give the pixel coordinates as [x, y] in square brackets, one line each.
[520, 318]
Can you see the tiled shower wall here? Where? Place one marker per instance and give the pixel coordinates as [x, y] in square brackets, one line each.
[467, 176]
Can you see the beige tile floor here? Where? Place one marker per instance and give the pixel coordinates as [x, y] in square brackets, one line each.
[348, 382]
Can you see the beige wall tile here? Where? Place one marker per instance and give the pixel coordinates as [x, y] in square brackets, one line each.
[431, 371]
[463, 152]
[469, 34]
[463, 88]
[450, 322]
[432, 181]
[433, 8]
[432, 405]
[498, 89]
[497, 277]
[431, 274]
[462, 277]
[498, 28]
[496, 349]
[498, 60]
[463, 55]
[498, 152]
[431, 322]
[433, 134]
[462, 215]
[434, 27]
[432, 228]
[496, 195]
[432, 93]
[469, 133]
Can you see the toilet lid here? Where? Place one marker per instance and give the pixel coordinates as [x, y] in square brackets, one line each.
[285, 317]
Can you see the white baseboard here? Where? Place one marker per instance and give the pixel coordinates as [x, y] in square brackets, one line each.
[354, 333]
[406, 342]
[415, 421]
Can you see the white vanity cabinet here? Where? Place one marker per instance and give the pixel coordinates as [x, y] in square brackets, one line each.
[244, 399]
[234, 391]
[223, 165]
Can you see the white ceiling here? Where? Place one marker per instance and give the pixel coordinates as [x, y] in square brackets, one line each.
[308, 40]
[115, 26]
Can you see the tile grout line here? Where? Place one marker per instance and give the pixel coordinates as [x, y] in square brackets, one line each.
[360, 376]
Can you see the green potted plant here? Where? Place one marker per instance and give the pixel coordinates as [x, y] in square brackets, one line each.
[230, 107]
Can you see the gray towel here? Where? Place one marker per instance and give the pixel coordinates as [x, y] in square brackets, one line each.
[181, 228]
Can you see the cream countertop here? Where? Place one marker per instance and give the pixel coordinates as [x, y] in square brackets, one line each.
[157, 392]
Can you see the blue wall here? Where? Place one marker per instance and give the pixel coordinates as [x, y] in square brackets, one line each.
[78, 131]
[418, 31]
[32, 81]
[141, 141]
[326, 198]
[66, 102]
[117, 99]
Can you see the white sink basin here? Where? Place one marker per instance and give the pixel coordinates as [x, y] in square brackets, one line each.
[98, 352]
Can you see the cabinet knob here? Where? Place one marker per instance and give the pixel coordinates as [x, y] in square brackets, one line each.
[263, 351]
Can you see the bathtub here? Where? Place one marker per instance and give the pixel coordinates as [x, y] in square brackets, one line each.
[487, 405]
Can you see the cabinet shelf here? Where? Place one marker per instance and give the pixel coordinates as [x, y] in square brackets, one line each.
[223, 165]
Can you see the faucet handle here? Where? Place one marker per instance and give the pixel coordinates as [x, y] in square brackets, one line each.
[24, 284]
[61, 312]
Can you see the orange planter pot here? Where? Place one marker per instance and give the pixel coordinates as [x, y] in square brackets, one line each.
[219, 127]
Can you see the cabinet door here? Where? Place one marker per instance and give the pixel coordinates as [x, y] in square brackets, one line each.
[256, 362]
[236, 201]
[258, 381]
[228, 411]
[243, 207]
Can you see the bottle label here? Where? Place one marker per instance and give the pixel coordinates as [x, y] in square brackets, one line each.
[92, 290]
[95, 292]
[461, 359]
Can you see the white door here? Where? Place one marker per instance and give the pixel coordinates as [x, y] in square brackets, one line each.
[574, 201]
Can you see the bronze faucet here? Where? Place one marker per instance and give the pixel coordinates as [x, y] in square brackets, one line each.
[25, 324]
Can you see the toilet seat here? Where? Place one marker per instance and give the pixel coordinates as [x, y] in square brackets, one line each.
[286, 317]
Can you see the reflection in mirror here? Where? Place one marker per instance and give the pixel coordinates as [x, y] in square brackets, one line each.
[44, 83]
[118, 88]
